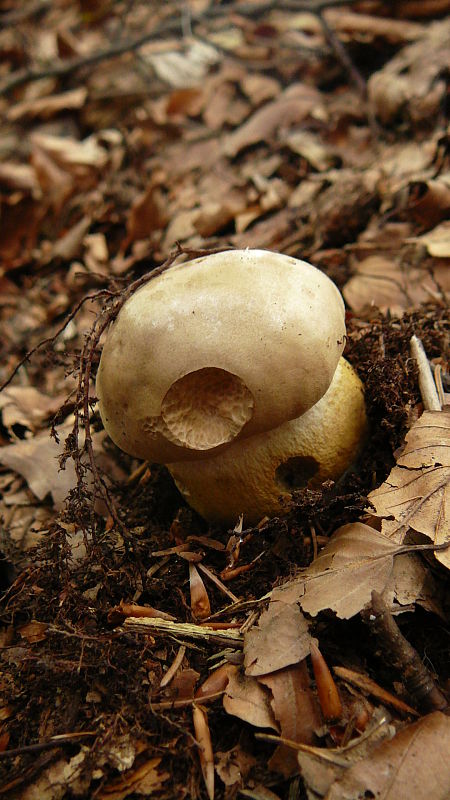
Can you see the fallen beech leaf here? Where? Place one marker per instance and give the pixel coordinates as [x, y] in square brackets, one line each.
[26, 406]
[414, 764]
[247, 699]
[34, 631]
[321, 767]
[233, 765]
[46, 107]
[380, 281]
[410, 87]
[36, 460]
[296, 709]
[281, 638]
[416, 493]
[289, 108]
[436, 241]
[356, 560]
[69, 152]
[144, 780]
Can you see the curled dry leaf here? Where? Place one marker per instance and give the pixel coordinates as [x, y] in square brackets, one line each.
[281, 638]
[200, 605]
[437, 241]
[356, 560]
[206, 754]
[26, 406]
[247, 699]
[380, 281]
[322, 767]
[296, 710]
[289, 108]
[232, 766]
[414, 764]
[416, 493]
[143, 780]
[411, 87]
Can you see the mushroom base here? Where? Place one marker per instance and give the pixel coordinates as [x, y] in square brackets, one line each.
[256, 476]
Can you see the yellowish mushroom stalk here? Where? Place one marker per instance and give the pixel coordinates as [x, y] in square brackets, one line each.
[228, 368]
[257, 476]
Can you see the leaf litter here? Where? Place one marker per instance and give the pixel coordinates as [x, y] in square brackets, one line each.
[103, 171]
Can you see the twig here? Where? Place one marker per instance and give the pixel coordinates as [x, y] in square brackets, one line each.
[187, 630]
[170, 26]
[428, 391]
[57, 741]
[342, 56]
[399, 652]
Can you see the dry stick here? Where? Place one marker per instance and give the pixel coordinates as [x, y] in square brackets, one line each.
[397, 650]
[57, 741]
[428, 391]
[169, 26]
[342, 55]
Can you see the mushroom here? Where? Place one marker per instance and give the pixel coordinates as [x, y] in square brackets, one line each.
[228, 369]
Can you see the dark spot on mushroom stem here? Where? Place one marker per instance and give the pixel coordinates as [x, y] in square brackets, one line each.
[295, 472]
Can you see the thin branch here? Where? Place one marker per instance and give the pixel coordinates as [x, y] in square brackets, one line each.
[170, 26]
[57, 741]
[398, 651]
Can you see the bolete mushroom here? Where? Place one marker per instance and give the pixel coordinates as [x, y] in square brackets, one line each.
[228, 369]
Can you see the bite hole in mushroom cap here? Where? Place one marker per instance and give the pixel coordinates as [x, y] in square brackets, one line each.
[296, 472]
[206, 408]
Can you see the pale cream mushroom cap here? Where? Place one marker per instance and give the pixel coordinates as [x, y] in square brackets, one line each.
[218, 349]
[256, 476]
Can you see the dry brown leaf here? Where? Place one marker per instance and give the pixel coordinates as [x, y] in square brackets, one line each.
[200, 605]
[434, 202]
[356, 560]
[353, 26]
[26, 406]
[310, 147]
[437, 241]
[247, 699]
[291, 107]
[19, 176]
[295, 709]
[69, 152]
[37, 460]
[321, 768]
[147, 214]
[281, 638]
[413, 582]
[411, 85]
[47, 107]
[380, 281]
[143, 780]
[233, 765]
[34, 631]
[414, 764]
[416, 493]
[60, 777]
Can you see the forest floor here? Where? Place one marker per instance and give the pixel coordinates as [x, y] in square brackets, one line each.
[133, 132]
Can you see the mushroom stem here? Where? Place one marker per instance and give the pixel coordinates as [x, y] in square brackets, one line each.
[258, 475]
